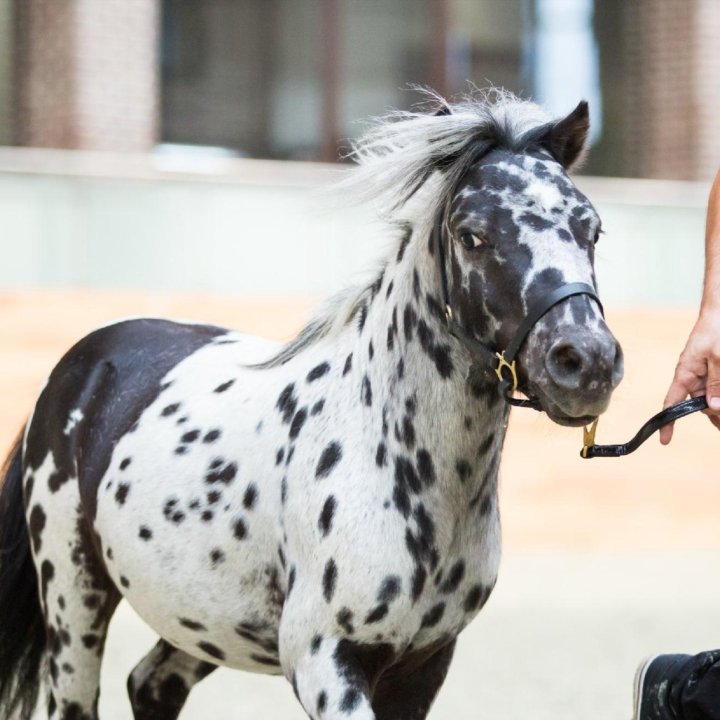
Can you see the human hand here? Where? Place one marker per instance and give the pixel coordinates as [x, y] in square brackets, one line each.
[698, 369]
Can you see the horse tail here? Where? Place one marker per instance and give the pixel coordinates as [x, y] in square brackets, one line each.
[22, 629]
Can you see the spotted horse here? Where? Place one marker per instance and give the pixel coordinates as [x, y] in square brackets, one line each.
[325, 510]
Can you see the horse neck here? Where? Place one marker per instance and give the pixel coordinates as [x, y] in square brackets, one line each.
[415, 378]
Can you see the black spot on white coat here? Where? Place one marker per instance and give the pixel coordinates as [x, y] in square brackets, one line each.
[329, 580]
[329, 458]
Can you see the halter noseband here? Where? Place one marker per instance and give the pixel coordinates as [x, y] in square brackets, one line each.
[503, 362]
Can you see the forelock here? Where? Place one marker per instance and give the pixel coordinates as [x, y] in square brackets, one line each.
[403, 150]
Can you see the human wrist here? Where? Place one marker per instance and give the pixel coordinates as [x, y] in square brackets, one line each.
[710, 303]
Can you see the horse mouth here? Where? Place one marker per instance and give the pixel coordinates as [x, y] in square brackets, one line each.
[570, 421]
[561, 417]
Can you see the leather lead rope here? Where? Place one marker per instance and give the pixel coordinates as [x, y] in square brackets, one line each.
[668, 415]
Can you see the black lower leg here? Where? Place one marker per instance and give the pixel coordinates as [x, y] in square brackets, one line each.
[160, 684]
[407, 690]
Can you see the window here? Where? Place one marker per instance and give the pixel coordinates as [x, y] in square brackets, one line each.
[291, 79]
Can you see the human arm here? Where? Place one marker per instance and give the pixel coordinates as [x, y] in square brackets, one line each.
[698, 368]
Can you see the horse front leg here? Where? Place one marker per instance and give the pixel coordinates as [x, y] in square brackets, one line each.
[408, 690]
[333, 677]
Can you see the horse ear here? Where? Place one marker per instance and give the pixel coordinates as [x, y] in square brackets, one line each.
[567, 138]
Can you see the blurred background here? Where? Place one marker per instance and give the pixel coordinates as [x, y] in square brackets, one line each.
[130, 126]
[168, 157]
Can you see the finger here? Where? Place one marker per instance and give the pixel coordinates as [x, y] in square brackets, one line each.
[666, 433]
[675, 394]
[712, 387]
[685, 382]
[715, 420]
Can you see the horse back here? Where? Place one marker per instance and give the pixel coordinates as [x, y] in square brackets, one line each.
[97, 392]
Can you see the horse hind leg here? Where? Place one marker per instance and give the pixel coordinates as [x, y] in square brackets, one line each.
[78, 608]
[77, 595]
[160, 684]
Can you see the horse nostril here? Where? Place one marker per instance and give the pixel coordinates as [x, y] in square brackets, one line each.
[565, 363]
[618, 366]
[569, 358]
[590, 364]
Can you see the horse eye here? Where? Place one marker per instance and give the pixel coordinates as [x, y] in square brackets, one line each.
[598, 232]
[470, 241]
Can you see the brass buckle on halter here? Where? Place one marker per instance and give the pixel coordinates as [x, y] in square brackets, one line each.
[448, 314]
[503, 363]
[589, 437]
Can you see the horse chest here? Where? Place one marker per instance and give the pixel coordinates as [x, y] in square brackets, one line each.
[462, 584]
[378, 575]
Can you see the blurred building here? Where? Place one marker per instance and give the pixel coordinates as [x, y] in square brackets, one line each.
[290, 79]
[660, 87]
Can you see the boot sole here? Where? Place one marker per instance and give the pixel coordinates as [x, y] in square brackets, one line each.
[637, 686]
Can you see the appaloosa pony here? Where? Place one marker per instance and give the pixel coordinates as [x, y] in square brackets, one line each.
[328, 510]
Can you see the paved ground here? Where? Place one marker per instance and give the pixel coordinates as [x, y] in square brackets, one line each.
[606, 560]
[558, 640]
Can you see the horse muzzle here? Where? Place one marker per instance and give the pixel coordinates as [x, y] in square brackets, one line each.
[581, 371]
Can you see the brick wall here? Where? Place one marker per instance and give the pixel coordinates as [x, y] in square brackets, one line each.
[673, 88]
[707, 88]
[87, 74]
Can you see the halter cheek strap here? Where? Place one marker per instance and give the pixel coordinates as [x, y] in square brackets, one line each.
[503, 362]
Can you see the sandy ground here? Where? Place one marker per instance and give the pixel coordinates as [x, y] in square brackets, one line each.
[606, 560]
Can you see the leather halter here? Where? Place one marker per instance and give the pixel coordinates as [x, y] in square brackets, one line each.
[502, 362]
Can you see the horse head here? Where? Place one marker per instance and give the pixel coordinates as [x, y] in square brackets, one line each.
[513, 230]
